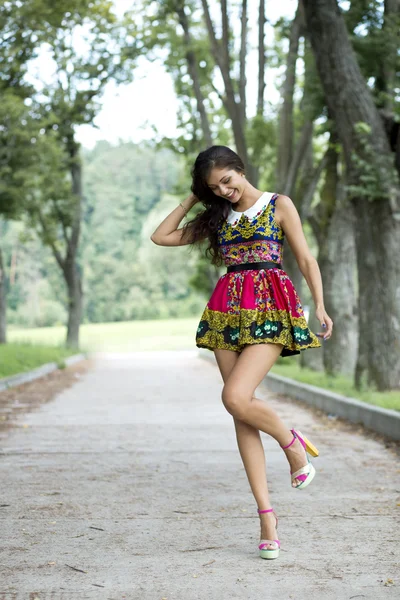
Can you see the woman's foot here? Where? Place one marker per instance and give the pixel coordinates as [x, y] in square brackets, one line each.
[268, 524]
[297, 458]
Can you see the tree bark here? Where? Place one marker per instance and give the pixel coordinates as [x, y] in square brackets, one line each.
[194, 73]
[378, 222]
[339, 272]
[75, 304]
[286, 130]
[286, 142]
[261, 58]
[71, 270]
[68, 263]
[292, 173]
[3, 301]
[333, 225]
[242, 61]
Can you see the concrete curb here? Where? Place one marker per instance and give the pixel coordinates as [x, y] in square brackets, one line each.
[381, 420]
[14, 380]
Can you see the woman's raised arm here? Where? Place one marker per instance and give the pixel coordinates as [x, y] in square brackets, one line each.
[167, 233]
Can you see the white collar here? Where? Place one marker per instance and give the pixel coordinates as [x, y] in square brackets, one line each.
[251, 212]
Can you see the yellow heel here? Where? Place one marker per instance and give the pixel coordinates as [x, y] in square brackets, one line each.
[310, 448]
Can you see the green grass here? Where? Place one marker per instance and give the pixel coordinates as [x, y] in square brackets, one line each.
[179, 334]
[18, 358]
[172, 334]
[340, 384]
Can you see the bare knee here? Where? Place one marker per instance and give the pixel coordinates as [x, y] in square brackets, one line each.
[234, 402]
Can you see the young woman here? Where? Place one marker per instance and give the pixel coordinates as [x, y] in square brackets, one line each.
[254, 314]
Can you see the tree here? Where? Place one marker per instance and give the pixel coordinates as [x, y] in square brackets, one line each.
[332, 222]
[372, 187]
[71, 101]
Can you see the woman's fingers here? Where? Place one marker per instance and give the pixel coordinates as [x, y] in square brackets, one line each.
[327, 324]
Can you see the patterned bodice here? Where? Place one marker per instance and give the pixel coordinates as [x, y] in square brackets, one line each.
[253, 235]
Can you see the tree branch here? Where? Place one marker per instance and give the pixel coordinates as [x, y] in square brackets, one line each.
[50, 242]
[308, 196]
[61, 220]
[211, 34]
[232, 107]
[290, 180]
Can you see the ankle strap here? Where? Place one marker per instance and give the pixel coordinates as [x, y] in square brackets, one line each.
[266, 510]
[294, 437]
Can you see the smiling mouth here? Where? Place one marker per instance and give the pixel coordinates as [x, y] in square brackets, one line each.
[231, 195]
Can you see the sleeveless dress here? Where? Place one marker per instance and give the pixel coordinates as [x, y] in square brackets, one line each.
[255, 306]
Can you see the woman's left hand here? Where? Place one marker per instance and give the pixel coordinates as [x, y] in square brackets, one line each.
[326, 323]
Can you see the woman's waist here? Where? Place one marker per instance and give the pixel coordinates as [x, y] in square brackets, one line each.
[254, 266]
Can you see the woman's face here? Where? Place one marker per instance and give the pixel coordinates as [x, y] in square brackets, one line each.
[226, 183]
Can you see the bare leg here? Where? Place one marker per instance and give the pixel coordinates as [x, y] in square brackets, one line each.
[252, 453]
[248, 371]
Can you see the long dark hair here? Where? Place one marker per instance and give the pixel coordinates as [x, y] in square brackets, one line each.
[205, 224]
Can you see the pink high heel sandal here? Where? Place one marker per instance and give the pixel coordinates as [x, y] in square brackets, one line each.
[307, 473]
[266, 552]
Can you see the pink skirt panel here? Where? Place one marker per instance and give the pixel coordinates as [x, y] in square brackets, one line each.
[262, 290]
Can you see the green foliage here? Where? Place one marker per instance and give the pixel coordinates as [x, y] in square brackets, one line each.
[17, 152]
[374, 36]
[373, 176]
[21, 357]
[262, 139]
[121, 186]
[124, 199]
[205, 276]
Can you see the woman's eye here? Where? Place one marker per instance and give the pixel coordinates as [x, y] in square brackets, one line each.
[227, 181]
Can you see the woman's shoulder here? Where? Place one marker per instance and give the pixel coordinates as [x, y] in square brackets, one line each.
[284, 208]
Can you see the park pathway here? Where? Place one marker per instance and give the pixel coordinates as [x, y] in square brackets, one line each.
[130, 485]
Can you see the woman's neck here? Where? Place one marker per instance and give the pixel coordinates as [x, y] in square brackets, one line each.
[248, 198]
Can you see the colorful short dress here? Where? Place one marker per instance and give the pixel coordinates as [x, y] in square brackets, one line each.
[254, 306]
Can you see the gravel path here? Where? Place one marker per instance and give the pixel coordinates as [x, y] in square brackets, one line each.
[129, 485]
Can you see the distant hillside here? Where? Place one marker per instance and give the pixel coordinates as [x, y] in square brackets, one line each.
[128, 190]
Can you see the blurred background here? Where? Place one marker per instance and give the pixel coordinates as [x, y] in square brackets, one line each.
[105, 105]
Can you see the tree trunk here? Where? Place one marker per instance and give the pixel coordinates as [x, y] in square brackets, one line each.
[71, 270]
[308, 180]
[3, 301]
[302, 147]
[75, 304]
[378, 249]
[334, 225]
[378, 223]
[286, 130]
[303, 156]
[242, 61]
[261, 59]
[286, 142]
[339, 273]
[194, 73]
